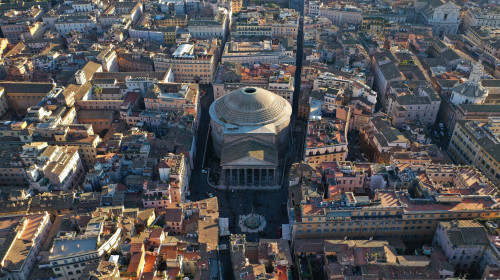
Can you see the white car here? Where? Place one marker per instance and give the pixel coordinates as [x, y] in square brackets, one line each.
[204, 171]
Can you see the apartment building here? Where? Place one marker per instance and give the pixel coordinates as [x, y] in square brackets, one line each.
[492, 47]
[22, 24]
[379, 139]
[14, 134]
[23, 95]
[163, 35]
[278, 79]
[108, 59]
[285, 29]
[236, 5]
[174, 169]
[12, 169]
[77, 135]
[129, 9]
[348, 15]
[169, 20]
[207, 29]
[70, 254]
[479, 17]
[100, 119]
[169, 97]
[347, 177]
[134, 62]
[125, 82]
[156, 196]
[329, 80]
[22, 31]
[326, 138]
[55, 168]
[252, 29]
[477, 143]
[463, 242]
[190, 63]
[252, 52]
[27, 233]
[269, 257]
[67, 24]
[367, 258]
[174, 220]
[210, 28]
[279, 24]
[390, 214]
[422, 105]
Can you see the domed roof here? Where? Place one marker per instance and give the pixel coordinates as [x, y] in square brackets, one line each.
[251, 106]
[470, 89]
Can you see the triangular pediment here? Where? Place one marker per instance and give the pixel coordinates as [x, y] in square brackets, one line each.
[249, 152]
[448, 5]
[251, 161]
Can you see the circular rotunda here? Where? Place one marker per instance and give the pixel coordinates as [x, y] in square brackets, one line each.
[250, 113]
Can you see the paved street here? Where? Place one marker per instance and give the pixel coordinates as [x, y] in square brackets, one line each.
[355, 152]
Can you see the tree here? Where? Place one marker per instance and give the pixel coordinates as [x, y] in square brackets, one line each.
[97, 90]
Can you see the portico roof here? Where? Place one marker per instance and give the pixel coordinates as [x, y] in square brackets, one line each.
[249, 153]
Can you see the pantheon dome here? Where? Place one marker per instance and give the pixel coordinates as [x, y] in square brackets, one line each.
[250, 114]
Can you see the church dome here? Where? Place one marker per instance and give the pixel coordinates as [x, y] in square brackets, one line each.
[470, 89]
[251, 106]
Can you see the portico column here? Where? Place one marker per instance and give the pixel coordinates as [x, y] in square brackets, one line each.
[260, 177]
[271, 177]
[246, 177]
[238, 175]
[265, 175]
[251, 178]
[230, 177]
[252, 181]
[233, 177]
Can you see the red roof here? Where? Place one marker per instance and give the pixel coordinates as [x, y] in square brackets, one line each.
[136, 247]
[131, 97]
[149, 263]
[173, 272]
[173, 215]
[135, 260]
[156, 233]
